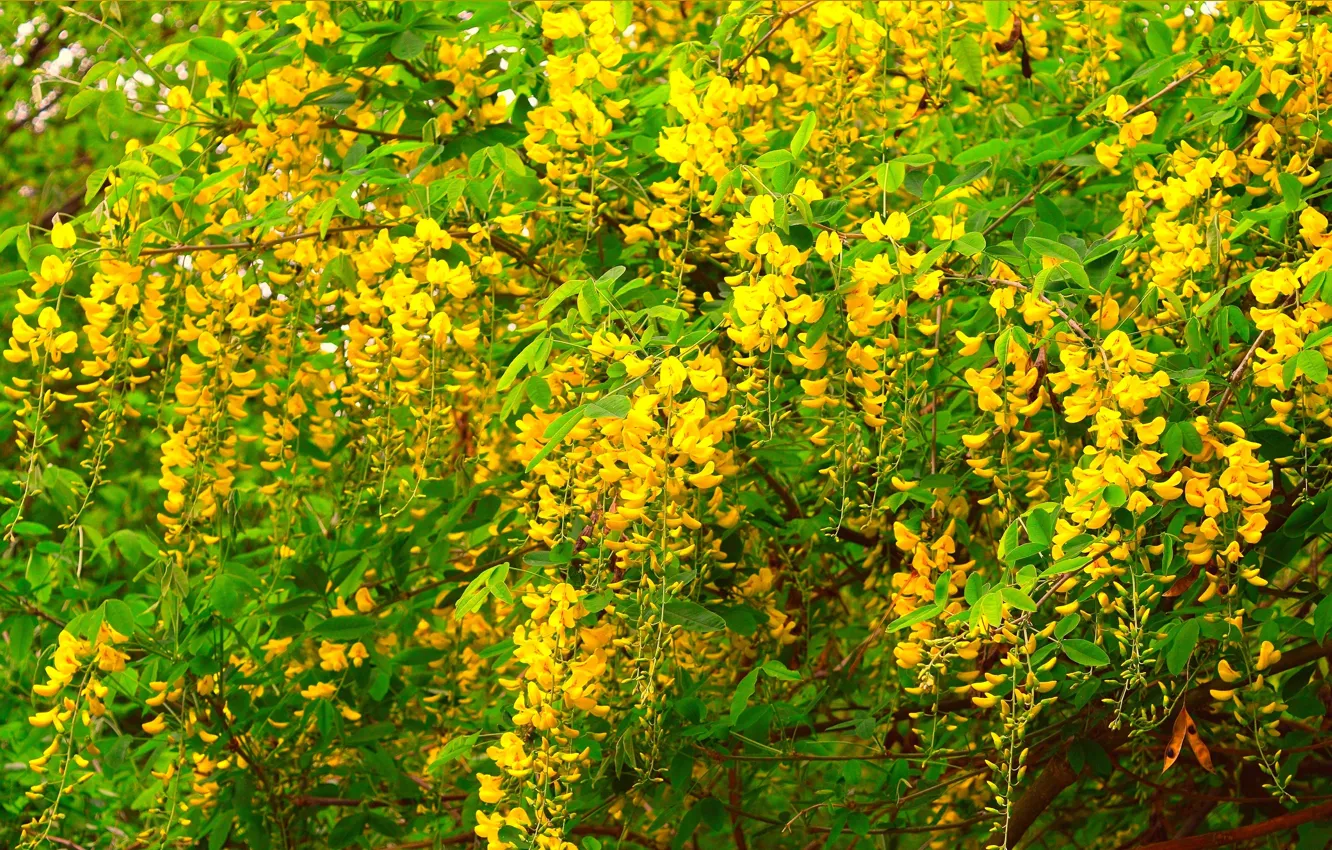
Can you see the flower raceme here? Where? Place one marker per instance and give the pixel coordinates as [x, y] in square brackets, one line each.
[617, 419]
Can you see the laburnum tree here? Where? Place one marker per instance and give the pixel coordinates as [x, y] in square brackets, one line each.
[665, 425]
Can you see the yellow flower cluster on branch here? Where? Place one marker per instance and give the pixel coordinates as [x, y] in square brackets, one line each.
[706, 424]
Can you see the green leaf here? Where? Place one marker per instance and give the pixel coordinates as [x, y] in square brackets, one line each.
[1322, 619]
[516, 365]
[561, 293]
[1009, 541]
[556, 432]
[743, 692]
[344, 628]
[1017, 599]
[996, 14]
[474, 595]
[1115, 496]
[227, 593]
[803, 134]
[941, 589]
[407, 45]
[919, 615]
[1241, 96]
[458, 748]
[120, 617]
[691, 616]
[1067, 565]
[211, 49]
[778, 670]
[110, 111]
[984, 150]
[82, 101]
[1290, 191]
[495, 583]
[1312, 364]
[217, 835]
[1085, 653]
[967, 53]
[890, 176]
[611, 275]
[1181, 646]
[1053, 249]
[991, 607]
[772, 159]
[610, 407]
[724, 187]
[969, 244]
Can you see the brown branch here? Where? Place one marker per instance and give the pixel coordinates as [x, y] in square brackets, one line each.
[1058, 310]
[1237, 375]
[1225, 837]
[622, 833]
[28, 608]
[1190, 792]
[1063, 170]
[347, 802]
[850, 535]
[883, 830]
[502, 245]
[261, 245]
[1025, 199]
[778, 24]
[1143, 104]
[1050, 783]
[1057, 775]
[793, 509]
[737, 828]
[332, 124]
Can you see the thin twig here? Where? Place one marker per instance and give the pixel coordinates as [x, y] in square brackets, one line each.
[1063, 170]
[1025, 199]
[1244, 833]
[261, 245]
[1053, 305]
[1143, 104]
[778, 24]
[336, 125]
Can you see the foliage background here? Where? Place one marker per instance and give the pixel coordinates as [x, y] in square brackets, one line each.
[738, 424]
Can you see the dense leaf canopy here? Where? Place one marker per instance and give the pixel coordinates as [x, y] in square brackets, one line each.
[665, 424]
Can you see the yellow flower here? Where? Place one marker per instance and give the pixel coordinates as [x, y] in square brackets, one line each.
[927, 285]
[319, 690]
[705, 478]
[1109, 155]
[1267, 655]
[365, 603]
[1115, 107]
[807, 189]
[1227, 673]
[897, 227]
[62, 235]
[970, 344]
[1139, 127]
[1313, 227]
[762, 210]
[275, 647]
[490, 788]
[179, 98]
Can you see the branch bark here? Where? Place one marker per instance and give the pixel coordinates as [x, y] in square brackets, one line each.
[1225, 837]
